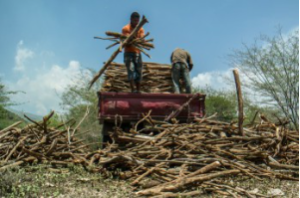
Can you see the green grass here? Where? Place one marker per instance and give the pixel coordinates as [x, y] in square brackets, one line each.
[44, 181]
[8, 118]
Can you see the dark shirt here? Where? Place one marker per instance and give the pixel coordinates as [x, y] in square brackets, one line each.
[181, 56]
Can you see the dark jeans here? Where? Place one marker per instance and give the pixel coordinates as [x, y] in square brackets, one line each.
[134, 65]
[181, 70]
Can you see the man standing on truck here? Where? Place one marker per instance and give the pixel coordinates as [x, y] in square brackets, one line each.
[132, 55]
[182, 64]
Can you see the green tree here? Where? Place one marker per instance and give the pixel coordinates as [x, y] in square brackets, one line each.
[79, 102]
[6, 117]
[224, 103]
[5, 95]
[272, 66]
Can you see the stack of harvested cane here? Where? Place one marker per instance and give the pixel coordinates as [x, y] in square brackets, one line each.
[165, 159]
[183, 158]
[37, 142]
[156, 78]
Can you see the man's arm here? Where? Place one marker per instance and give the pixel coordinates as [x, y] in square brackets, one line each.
[190, 61]
[142, 33]
[125, 31]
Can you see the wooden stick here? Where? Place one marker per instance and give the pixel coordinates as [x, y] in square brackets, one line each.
[283, 166]
[111, 39]
[205, 169]
[144, 118]
[140, 39]
[116, 43]
[148, 55]
[240, 100]
[184, 182]
[15, 147]
[33, 153]
[142, 176]
[114, 34]
[82, 119]
[175, 113]
[10, 127]
[36, 123]
[11, 165]
[52, 147]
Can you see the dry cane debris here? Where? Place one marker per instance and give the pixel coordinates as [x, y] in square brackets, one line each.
[39, 143]
[165, 159]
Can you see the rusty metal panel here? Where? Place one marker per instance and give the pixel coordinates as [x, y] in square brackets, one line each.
[131, 105]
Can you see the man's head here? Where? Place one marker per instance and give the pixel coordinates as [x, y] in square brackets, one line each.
[134, 19]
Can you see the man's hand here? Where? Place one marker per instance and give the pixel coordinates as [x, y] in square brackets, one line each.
[191, 67]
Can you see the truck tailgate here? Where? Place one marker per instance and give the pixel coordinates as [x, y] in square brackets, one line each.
[131, 106]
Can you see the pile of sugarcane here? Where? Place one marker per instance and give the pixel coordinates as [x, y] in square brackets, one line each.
[156, 78]
[40, 143]
[167, 159]
[173, 159]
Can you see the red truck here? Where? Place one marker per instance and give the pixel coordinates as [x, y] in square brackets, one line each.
[129, 107]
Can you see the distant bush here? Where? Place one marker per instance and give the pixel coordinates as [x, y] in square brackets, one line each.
[224, 103]
[76, 100]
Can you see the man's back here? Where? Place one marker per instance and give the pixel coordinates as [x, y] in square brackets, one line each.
[181, 56]
[181, 65]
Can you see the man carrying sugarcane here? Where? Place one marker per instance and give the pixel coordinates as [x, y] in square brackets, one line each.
[132, 55]
[182, 64]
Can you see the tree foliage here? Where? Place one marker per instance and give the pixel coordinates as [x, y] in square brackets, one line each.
[77, 99]
[272, 66]
[224, 103]
[7, 118]
[5, 95]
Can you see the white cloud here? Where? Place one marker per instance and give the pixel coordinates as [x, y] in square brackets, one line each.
[22, 55]
[43, 90]
[224, 81]
[43, 84]
[215, 79]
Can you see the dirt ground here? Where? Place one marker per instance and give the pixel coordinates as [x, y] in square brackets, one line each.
[43, 181]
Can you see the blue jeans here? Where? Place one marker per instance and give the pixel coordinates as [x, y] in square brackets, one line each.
[181, 70]
[134, 65]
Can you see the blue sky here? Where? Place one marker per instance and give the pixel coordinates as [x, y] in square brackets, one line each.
[40, 37]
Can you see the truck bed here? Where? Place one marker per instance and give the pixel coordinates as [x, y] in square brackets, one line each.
[131, 106]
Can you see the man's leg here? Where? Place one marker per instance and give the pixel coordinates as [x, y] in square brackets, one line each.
[176, 77]
[131, 82]
[138, 72]
[130, 70]
[186, 78]
[138, 87]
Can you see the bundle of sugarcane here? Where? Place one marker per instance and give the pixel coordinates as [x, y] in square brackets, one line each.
[183, 158]
[140, 43]
[156, 78]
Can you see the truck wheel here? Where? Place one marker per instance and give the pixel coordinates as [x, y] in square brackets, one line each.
[106, 127]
